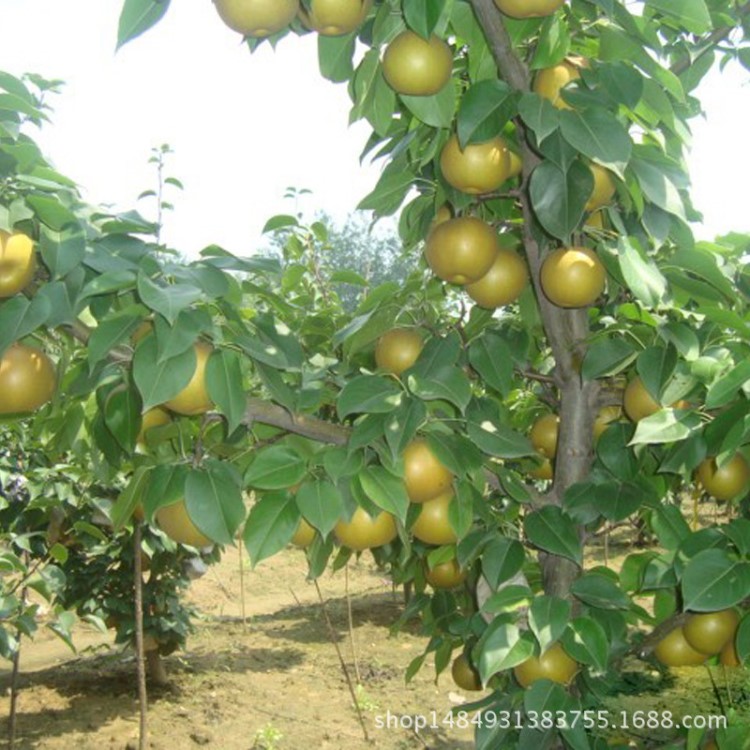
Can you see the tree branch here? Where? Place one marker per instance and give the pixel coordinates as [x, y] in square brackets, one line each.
[711, 42]
[259, 410]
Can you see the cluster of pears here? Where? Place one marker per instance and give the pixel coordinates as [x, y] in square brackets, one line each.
[27, 375]
[262, 18]
[722, 482]
[702, 636]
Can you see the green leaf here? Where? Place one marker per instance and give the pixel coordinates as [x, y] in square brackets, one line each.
[587, 643]
[138, 16]
[224, 384]
[600, 591]
[656, 365]
[166, 485]
[275, 468]
[444, 383]
[692, 15]
[335, 55]
[436, 111]
[368, 393]
[321, 503]
[713, 580]
[539, 114]
[280, 221]
[495, 439]
[214, 500]
[607, 356]
[501, 647]
[548, 618]
[390, 191]
[559, 198]
[490, 356]
[402, 424]
[157, 381]
[502, 558]
[111, 332]
[723, 390]
[485, 109]
[19, 317]
[385, 490]
[551, 530]
[666, 426]
[130, 497]
[598, 134]
[338, 462]
[167, 300]
[670, 526]
[641, 273]
[657, 186]
[553, 44]
[422, 16]
[63, 248]
[122, 415]
[618, 500]
[270, 525]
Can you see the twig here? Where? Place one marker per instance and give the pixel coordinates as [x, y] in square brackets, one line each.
[139, 653]
[332, 634]
[242, 589]
[13, 716]
[351, 624]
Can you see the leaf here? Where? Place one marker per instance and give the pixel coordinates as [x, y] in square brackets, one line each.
[368, 393]
[607, 356]
[224, 384]
[385, 490]
[275, 468]
[335, 55]
[692, 15]
[167, 300]
[539, 114]
[402, 424]
[600, 591]
[422, 16]
[280, 221]
[157, 381]
[640, 273]
[497, 440]
[446, 383]
[501, 647]
[109, 333]
[587, 643]
[485, 109]
[502, 558]
[19, 317]
[390, 191]
[723, 390]
[490, 356]
[321, 503]
[742, 640]
[552, 531]
[658, 187]
[598, 134]
[138, 16]
[130, 497]
[666, 426]
[122, 415]
[270, 525]
[214, 501]
[713, 580]
[548, 618]
[559, 197]
[436, 111]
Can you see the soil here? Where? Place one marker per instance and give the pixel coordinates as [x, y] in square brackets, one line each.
[274, 681]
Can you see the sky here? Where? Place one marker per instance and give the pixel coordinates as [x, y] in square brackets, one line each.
[246, 127]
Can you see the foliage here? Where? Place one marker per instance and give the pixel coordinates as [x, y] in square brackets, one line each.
[305, 423]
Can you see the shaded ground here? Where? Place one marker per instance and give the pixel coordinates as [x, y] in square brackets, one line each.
[273, 682]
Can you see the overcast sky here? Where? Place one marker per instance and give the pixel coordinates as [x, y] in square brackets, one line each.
[245, 127]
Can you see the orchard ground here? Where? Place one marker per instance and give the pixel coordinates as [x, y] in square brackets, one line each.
[275, 682]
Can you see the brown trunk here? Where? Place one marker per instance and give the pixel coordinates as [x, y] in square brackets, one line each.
[157, 674]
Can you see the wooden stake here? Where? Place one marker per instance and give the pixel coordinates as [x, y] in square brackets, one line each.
[355, 659]
[242, 590]
[139, 656]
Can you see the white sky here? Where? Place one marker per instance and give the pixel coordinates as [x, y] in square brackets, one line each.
[245, 127]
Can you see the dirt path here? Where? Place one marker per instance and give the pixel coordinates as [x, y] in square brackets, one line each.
[272, 683]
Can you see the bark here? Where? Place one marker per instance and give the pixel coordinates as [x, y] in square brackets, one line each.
[157, 673]
[566, 330]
